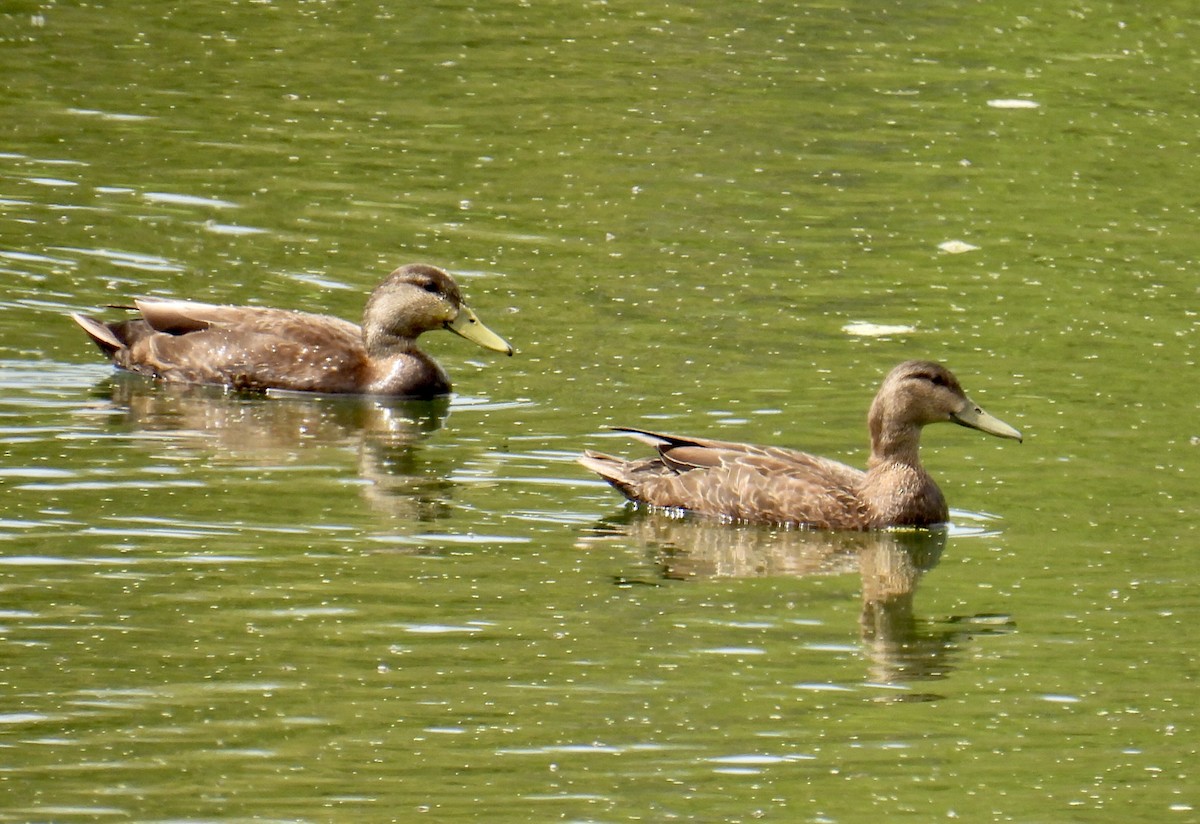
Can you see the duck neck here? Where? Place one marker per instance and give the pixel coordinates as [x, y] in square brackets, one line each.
[895, 444]
[381, 343]
[897, 489]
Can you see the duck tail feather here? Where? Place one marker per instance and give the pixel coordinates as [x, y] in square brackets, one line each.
[100, 333]
[613, 470]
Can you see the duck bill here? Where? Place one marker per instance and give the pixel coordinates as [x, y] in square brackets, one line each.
[974, 417]
[467, 325]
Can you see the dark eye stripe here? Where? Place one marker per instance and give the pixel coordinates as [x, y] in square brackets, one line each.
[935, 379]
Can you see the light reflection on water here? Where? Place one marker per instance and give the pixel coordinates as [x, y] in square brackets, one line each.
[223, 608]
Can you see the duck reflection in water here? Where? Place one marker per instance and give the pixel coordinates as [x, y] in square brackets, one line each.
[384, 435]
[902, 648]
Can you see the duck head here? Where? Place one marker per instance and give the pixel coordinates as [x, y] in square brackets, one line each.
[420, 298]
[917, 393]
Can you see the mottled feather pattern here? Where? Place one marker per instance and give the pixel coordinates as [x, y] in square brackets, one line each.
[746, 482]
[259, 348]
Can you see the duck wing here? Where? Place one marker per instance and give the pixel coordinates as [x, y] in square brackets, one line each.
[244, 347]
[738, 481]
[179, 317]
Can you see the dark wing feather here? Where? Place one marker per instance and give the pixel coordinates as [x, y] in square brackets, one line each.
[738, 481]
[701, 452]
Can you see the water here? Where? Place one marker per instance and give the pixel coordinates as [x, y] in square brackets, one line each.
[227, 608]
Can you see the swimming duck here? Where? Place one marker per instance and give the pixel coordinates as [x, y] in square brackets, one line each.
[258, 348]
[771, 484]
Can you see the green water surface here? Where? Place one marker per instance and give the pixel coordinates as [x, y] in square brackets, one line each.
[699, 218]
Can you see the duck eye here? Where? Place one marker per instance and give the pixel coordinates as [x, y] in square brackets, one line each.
[431, 287]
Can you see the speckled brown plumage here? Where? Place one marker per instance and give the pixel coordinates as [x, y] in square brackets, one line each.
[258, 348]
[743, 482]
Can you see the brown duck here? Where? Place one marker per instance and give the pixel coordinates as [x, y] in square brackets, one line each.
[770, 484]
[258, 348]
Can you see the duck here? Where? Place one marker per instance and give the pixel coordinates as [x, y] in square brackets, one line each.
[253, 348]
[746, 483]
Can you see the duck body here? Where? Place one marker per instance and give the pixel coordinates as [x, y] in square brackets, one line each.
[769, 484]
[259, 348]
